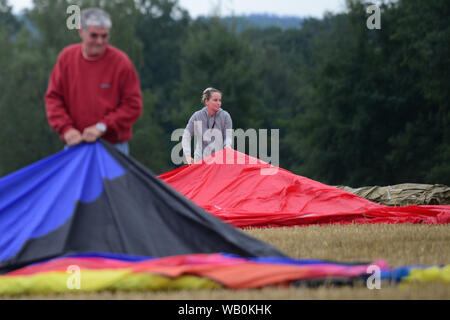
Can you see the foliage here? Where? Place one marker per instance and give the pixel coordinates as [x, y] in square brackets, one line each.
[354, 106]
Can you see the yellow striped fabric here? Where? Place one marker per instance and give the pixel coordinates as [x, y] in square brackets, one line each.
[99, 280]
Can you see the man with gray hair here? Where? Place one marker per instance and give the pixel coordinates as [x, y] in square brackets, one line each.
[94, 89]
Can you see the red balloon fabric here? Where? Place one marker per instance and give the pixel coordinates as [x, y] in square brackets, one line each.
[247, 192]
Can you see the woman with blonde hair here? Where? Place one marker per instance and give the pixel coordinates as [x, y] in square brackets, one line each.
[210, 123]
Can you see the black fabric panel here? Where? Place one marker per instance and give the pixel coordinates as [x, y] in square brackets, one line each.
[172, 224]
[139, 214]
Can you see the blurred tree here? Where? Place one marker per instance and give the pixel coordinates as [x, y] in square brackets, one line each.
[25, 136]
[161, 27]
[354, 106]
[147, 144]
[285, 80]
[422, 148]
[214, 56]
[365, 94]
[7, 19]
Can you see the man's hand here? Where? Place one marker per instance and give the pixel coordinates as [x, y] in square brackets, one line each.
[189, 160]
[73, 137]
[91, 134]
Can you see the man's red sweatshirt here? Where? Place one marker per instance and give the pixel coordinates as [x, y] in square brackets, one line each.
[82, 93]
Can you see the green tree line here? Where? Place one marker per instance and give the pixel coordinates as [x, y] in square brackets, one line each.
[354, 106]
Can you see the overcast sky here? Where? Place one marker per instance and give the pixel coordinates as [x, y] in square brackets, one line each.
[302, 8]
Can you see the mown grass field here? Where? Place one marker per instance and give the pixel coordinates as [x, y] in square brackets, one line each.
[399, 245]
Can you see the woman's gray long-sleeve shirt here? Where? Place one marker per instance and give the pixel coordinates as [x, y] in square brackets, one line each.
[215, 132]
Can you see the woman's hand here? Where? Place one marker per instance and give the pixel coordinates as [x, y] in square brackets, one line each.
[189, 160]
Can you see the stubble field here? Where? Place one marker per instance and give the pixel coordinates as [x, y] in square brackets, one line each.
[399, 245]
